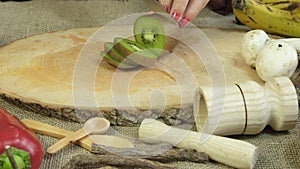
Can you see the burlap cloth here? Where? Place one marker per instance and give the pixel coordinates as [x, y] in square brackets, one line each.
[23, 19]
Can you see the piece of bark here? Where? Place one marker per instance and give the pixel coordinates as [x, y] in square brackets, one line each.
[171, 154]
[129, 118]
[108, 167]
[97, 161]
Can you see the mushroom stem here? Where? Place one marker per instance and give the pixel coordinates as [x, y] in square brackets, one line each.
[294, 42]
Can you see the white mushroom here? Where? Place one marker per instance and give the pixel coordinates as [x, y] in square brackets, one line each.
[252, 43]
[254, 40]
[276, 58]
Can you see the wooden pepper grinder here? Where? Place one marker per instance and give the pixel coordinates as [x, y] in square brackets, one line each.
[247, 108]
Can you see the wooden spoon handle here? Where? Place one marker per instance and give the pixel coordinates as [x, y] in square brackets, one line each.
[46, 129]
[65, 141]
[235, 153]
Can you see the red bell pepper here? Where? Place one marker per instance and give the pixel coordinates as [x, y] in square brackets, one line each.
[15, 134]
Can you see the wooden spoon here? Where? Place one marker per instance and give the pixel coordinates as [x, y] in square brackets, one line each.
[92, 126]
[86, 142]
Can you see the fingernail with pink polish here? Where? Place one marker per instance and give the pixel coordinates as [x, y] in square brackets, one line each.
[184, 21]
[166, 8]
[176, 15]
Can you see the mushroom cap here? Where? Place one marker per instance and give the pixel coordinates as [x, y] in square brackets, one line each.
[276, 58]
[253, 41]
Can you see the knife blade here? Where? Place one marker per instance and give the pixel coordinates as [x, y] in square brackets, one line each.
[156, 7]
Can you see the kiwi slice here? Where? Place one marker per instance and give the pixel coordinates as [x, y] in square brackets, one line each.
[112, 52]
[116, 63]
[108, 46]
[136, 52]
[149, 30]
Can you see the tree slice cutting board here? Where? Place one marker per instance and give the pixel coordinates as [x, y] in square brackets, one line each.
[43, 73]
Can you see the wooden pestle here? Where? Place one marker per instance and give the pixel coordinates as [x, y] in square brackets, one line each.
[235, 153]
[247, 108]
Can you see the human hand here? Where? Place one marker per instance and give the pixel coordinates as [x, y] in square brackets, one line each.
[183, 11]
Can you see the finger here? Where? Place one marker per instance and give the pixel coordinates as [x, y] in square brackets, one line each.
[151, 11]
[178, 9]
[166, 4]
[193, 9]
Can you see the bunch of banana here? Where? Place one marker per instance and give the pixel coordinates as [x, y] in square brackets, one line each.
[272, 16]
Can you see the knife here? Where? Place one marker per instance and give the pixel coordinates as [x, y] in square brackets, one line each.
[156, 7]
[86, 142]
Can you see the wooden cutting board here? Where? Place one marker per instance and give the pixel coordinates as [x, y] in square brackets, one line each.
[41, 73]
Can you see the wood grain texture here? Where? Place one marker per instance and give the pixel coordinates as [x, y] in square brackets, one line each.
[37, 73]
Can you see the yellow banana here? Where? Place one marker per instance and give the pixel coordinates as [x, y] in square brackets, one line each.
[292, 6]
[258, 14]
[244, 18]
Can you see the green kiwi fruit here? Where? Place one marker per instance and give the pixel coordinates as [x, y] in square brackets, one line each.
[136, 52]
[112, 52]
[149, 30]
[116, 63]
